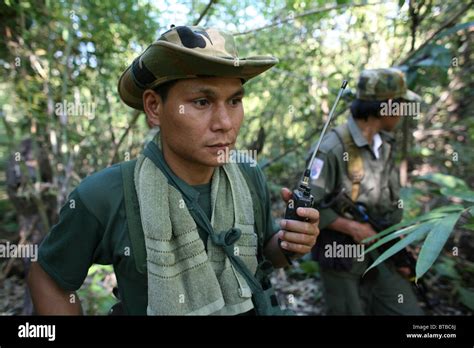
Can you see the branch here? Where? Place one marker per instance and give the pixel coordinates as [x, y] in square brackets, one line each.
[299, 145]
[448, 23]
[302, 143]
[201, 16]
[134, 120]
[304, 14]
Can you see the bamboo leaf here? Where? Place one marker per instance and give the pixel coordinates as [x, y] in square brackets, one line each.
[466, 195]
[416, 235]
[391, 236]
[454, 29]
[434, 243]
[434, 214]
[448, 209]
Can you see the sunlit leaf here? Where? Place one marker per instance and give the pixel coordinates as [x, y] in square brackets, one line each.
[434, 243]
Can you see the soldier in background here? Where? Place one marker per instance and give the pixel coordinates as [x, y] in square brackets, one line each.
[358, 158]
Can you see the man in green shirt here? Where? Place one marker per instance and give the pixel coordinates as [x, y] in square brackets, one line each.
[186, 232]
[358, 159]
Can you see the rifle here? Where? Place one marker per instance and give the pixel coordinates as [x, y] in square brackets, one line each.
[344, 206]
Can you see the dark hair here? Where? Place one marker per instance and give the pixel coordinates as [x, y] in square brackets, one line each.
[362, 109]
[164, 89]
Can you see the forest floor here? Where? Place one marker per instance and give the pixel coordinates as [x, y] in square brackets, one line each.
[449, 285]
[299, 289]
[304, 295]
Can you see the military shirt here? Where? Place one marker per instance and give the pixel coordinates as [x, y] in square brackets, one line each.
[380, 186]
[92, 228]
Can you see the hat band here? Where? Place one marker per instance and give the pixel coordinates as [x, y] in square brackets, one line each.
[141, 75]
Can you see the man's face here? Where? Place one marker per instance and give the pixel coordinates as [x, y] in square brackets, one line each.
[201, 117]
[390, 122]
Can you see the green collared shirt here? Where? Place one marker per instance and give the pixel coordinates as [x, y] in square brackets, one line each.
[380, 186]
[92, 229]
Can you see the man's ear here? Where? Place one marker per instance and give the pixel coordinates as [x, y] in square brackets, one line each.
[153, 106]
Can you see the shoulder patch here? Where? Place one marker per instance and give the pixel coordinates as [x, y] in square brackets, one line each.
[316, 169]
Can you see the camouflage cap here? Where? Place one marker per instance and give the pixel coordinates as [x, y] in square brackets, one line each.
[384, 84]
[187, 52]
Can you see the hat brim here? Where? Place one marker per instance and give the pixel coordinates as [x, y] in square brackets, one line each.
[169, 62]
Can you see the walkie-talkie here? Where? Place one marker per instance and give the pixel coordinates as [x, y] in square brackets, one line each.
[302, 196]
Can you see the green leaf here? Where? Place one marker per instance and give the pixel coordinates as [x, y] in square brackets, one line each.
[443, 180]
[445, 268]
[426, 62]
[434, 243]
[454, 29]
[466, 195]
[433, 55]
[390, 237]
[416, 235]
[434, 214]
[448, 209]
[469, 226]
[466, 297]
[309, 267]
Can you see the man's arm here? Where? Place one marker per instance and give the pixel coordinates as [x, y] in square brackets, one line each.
[358, 231]
[48, 298]
[65, 256]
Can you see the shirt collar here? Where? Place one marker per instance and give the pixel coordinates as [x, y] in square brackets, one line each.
[356, 133]
[154, 153]
[359, 138]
